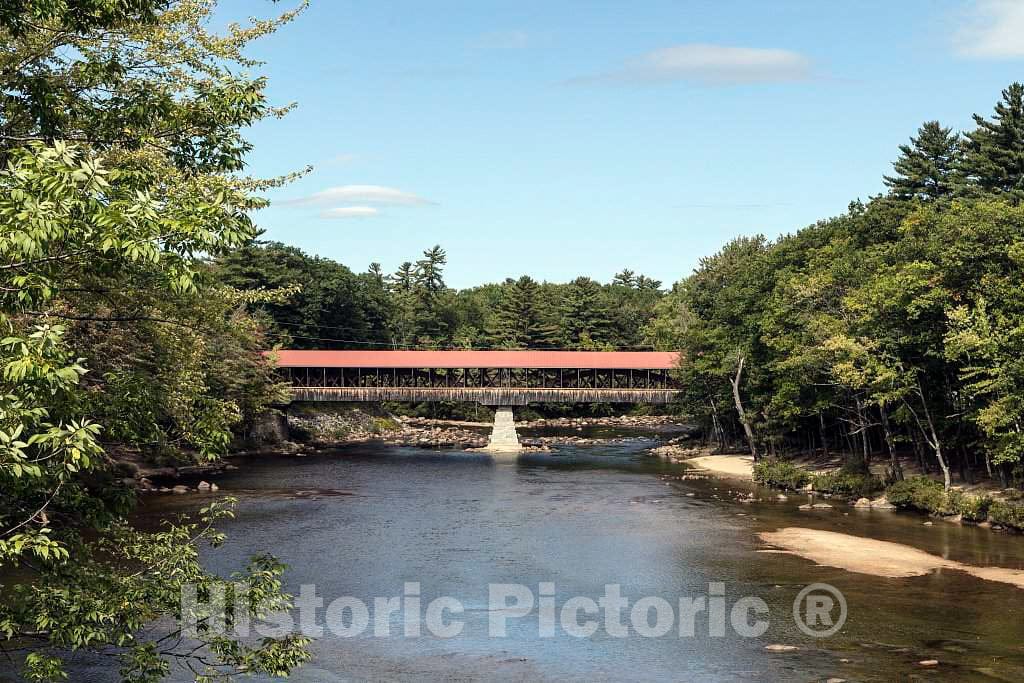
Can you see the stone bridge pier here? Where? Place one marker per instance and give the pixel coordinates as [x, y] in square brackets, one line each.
[503, 437]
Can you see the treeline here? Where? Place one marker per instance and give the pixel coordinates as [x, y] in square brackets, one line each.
[329, 306]
[895, 328]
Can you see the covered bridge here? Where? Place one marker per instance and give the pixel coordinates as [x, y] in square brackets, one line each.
[499, 378]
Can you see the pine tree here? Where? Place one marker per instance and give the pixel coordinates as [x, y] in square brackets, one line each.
[518, 320]
[645, 283]
[403, 279]
[627, 278]
[995, 149]
[583, 317]
[430, 269]
[929, 167]
[376, 273]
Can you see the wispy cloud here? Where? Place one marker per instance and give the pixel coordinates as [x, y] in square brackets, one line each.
[502, 40]
[349, 212]
[994, 29]
[707, 64]
[338, 160]
[366, 194]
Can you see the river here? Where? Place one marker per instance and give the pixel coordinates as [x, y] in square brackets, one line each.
[365, 520]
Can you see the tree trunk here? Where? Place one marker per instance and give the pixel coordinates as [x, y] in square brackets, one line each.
[862, 420]
[932, 437]
[717, 426]
[890, 443]
[821, 429]
[742, 413]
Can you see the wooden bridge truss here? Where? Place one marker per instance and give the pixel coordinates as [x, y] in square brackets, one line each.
[490, 386]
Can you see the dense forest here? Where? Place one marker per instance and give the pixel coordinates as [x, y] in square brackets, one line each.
[413, 308]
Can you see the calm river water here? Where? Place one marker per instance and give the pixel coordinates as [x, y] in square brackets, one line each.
[363, 521]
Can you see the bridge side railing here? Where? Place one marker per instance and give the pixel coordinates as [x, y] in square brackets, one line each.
[480, 378]
[497, 396]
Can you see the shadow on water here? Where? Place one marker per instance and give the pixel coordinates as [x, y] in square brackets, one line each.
[364, 520]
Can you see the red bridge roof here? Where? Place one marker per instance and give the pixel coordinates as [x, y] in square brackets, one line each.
[599, 360]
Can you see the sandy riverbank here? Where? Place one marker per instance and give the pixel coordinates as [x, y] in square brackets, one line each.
[734, 466]
[871, 556]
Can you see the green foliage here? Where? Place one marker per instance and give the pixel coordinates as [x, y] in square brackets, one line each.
[780, 474]
[917, 493]
[995, 149]
[927, 495]
[848, 483]
[971, 508]
[326, 305]
[1006, 514]
[518, 320]
[120, 141]
[929, 167]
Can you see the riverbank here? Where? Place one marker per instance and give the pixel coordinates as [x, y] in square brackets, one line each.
[985, 506]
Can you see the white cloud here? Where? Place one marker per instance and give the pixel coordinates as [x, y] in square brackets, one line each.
[994, 29]
[349, 212]
[339, 159]
[707, 64]
[503, 40]
[367, 194]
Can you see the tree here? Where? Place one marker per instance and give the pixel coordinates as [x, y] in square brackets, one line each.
[404, 278]
[929, 167]
[644, 282]
[518, 321]
[120, 141]
[429, 271]
[627, 278]
[583, 318]
[995, 149]
[326, 304]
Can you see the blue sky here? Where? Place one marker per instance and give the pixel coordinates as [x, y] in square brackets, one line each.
[565, 138]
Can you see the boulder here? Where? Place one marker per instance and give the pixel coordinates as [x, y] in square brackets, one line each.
[269, 429]
[180, 488]
[203, 486]
[862, 503]
[882, 503]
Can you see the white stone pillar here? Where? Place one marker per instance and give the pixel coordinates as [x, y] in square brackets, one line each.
[503, 434]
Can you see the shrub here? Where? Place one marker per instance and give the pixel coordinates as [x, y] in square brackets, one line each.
[383, 424]
[972, 508]
[846, 482]
[1006, 514]
[779, 474]
[918, 493]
